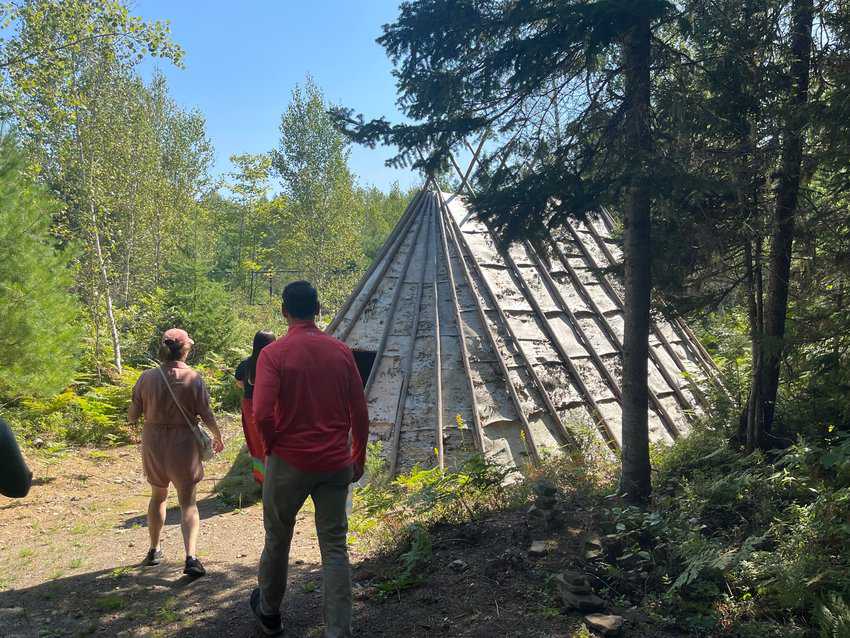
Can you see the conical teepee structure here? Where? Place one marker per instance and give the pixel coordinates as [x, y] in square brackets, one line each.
[513, 351]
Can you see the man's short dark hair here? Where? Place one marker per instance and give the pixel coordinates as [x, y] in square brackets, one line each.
[301, 300]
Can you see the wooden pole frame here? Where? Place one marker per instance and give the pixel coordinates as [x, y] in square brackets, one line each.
[595, 412]
[539, 386]
[438, 350]
[706, 364]
[588, 299]
[582, 339]
[384, 258]
[408, 362]
[393, 305]
[477, 430]
[526, 426]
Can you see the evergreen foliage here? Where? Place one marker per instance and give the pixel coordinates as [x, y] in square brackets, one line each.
[40, 328]
[718, 128]
[513, 71]
[200, 306]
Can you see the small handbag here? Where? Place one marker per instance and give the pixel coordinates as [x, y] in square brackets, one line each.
[204, 440]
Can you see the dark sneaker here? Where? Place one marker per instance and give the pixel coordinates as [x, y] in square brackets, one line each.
[154, 557]
[193, 567]
[269, 623]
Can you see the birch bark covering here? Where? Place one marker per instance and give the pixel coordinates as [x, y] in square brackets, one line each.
[524, 342]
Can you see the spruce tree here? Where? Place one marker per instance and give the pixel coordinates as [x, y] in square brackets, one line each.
[564, 87]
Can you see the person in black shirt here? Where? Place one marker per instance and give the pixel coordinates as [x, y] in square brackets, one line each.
[15, 476]
[245, 374]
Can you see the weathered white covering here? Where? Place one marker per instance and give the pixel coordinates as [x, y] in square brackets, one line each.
[539, 360]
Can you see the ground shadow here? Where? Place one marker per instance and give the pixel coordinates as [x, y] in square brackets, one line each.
[154, 601]
[235, 490]
[496, 592]
[238, 488]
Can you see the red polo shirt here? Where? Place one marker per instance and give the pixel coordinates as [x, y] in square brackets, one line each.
[308, 396]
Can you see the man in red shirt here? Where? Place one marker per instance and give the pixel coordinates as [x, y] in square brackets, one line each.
[308, 397]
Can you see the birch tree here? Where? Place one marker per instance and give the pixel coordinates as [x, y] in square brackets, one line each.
[56, 64]
[321, 225]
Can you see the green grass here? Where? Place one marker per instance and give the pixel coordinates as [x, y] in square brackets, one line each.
[76, 563]
[98, 455]
[26, 553]
[110, 602]
[167, 613]
[231, 450]
[118, 572]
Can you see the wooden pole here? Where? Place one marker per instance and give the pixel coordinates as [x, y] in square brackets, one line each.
[384, 258]
[477, 430]
[526, 427]
[408, 362]
[388, 325]
[582, 339]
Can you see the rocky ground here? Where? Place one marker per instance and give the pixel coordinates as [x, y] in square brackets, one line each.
[69, 554]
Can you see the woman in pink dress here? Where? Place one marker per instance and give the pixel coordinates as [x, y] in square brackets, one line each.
[172, 399]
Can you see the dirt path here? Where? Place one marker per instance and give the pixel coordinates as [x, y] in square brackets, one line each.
[69, 554]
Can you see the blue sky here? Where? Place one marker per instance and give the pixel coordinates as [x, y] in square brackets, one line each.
[244, 58]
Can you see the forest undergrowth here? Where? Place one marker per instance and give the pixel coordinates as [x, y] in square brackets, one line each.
[732, 544]
[90, 412]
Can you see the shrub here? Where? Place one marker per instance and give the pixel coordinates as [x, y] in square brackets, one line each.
[412, 562]
[218, 376]
[85, 416]
[423, 496]
[834, 618]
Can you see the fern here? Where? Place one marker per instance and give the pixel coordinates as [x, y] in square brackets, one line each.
[833, 618]
[413, 563]
[711, 559]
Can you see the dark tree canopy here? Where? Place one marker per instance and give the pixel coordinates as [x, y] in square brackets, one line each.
[541, 78]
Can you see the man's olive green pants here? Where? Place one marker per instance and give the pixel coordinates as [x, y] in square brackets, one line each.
[284, 492]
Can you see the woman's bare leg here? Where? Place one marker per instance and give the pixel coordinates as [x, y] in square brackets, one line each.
[156, 514]
[190, 520]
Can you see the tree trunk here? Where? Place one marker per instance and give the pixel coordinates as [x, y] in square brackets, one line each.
[753, 430]
[98, 250]
[128, 257]
[635, 482]
[157, 259]
[240, 283]
[127, 267]
[104, 277]
[94, 308]
[787, 194]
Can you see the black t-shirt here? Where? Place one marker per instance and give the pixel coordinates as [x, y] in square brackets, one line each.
[15, 476]
[242, 375]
